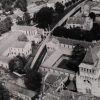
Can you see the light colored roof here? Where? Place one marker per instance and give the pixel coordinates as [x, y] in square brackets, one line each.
[23, 28]
[13, 87]
[74, 42]
[55, 56]
[76, 20]
[5, 59]
[7, 42]
[19, 44]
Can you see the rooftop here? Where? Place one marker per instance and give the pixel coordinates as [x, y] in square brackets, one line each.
[74, 42]
[19, 44]
[55, 56]
[5, 59]
[76, 20]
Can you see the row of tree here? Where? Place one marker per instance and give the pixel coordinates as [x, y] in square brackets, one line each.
[5, 25]
[77, 33]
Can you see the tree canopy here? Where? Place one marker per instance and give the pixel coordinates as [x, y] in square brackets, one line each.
[33, 80]
[77, 33]
[17, 64]
[4, 94]
[92, 15]
[59, 8]
[44, 17]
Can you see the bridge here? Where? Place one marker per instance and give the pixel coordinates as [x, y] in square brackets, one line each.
[58, 24]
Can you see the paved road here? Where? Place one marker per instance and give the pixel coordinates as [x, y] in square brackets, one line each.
[47, 38]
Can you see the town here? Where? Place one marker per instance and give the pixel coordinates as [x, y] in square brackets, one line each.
[49, 50]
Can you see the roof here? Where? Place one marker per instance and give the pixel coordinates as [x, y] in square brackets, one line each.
[71, 86]
[76, 20]
[90, 57]
[23, 28]
[74, 42]
[55, 56]
[19, 44]
[84, 98]
[13, 87]
[51, 79]
[5, 59]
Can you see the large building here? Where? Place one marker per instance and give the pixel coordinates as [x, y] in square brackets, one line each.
[84, 23]
[32, 33]
[19, 48]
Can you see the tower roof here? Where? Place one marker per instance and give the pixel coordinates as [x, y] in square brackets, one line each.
[90, 56]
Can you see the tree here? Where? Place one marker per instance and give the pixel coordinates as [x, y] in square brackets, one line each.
[44, 17]
[19, 21]
[33, 80]
[60, 32]
[17, 64]
[22, 4]
[4, 94]
[59, 8]
[22, 38]
[26, 18]
[92, 16]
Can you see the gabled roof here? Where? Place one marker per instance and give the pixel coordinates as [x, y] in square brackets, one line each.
[90, 56]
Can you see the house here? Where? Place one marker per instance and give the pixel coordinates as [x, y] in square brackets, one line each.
[32, 33]
[18, 48]
[81, 22]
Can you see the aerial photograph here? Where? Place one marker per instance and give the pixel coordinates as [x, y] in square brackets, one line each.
[49, 49]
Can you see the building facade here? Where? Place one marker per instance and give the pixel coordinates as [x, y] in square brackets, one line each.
[19, 48]
[84, 23]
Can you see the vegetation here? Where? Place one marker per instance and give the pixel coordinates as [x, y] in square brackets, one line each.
[33, 80]
[76, 58]
[44, 17]
[4, 94]
[59, 8]
[92, 16]
[17, 64]
[5, 25]
[77, 33]
[25, 20]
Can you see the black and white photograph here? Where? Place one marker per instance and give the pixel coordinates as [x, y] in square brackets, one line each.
[49, 49]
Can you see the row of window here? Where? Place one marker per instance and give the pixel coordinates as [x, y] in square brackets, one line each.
[91, 71]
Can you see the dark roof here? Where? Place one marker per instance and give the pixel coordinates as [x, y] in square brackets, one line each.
[51, 79]
[74, 42]
[71, 86]
[90, 57]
